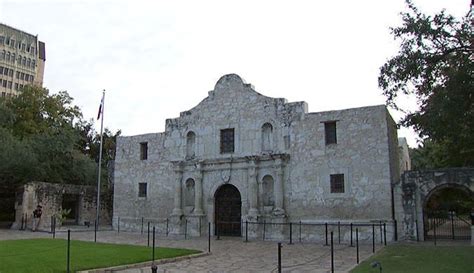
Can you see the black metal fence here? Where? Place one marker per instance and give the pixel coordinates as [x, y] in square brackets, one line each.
[142, 225]
[291, 232]
[447, 225]
[330, 243]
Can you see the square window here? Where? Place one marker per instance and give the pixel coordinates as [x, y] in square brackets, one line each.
[227, 141]
[142, 187]
[330, 132]
[337, 183]
[143, 150]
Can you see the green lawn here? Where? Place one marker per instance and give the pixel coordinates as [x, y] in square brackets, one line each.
[48, 255]
[421, 259]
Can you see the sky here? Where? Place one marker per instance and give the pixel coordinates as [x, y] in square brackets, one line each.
[156, 59]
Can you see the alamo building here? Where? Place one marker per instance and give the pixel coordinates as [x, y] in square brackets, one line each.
[241, 156]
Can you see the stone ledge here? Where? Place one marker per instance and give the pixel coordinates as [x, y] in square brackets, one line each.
[144, 264]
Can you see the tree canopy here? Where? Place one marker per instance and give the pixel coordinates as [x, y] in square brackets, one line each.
[435, 64]
[43, 137]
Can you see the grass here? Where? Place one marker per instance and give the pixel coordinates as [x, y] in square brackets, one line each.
[421, 259]
[49, 255]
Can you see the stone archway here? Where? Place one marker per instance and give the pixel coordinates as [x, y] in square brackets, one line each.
[446, 212]
[228, 210]
[418, 187]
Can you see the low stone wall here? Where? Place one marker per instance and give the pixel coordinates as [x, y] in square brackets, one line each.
[51, 196]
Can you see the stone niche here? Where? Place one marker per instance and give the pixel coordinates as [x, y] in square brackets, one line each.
[79, 199]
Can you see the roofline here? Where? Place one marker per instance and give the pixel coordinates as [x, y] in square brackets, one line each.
[19, 30]
[349, 109]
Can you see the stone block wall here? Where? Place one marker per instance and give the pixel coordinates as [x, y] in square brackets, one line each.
[292, 155]
[361, 154]
[50, 197]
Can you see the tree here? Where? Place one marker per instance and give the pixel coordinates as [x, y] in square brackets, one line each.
[44, 138]
[35, 112]
[435, 64]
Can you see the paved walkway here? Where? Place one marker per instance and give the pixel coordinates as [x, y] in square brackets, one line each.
[227, 254]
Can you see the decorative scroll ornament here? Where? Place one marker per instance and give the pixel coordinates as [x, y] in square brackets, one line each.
[225, 175]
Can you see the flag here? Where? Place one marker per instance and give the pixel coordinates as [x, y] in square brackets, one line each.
[100, 107]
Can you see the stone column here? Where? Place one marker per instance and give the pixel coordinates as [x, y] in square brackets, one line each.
[177, 211]
[252, 188]
[198, 192]
[278, 191]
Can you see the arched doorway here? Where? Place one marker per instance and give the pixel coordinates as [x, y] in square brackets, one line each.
[447, 212]
[228, 210]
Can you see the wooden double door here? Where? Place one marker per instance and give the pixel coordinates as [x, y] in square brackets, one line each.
[228, 211]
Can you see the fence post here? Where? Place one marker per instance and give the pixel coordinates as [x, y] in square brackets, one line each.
[351, 235]
[148, 237]
[22, 219]
[332, 253]
[199, 226]
[385, 233]
[154, 268]
[209, 237]
[416, 229]
[216, 226]
[326, 225]
[95, 231]
[118, 224]
[167, 227]
[153, 242]
[452, 223]
[185, 229]
[395, 233]
[380, 227]
[434, 231]
[300, 231]
[68, 251]
[264, 224]
[357, 244]
[291, 233]
[142, 226]
[338, 232]
[54, 227]
[373, 238]
[246, 230]
[279, 257]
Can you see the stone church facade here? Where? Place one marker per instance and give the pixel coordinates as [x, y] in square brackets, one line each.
[241, 156]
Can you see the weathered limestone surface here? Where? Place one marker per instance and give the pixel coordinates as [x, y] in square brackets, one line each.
[50, 197]
[294, 155]
[415, 189]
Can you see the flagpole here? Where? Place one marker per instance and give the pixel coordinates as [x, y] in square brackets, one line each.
[100, 158]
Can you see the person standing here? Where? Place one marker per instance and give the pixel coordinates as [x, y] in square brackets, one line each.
[37, 217]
